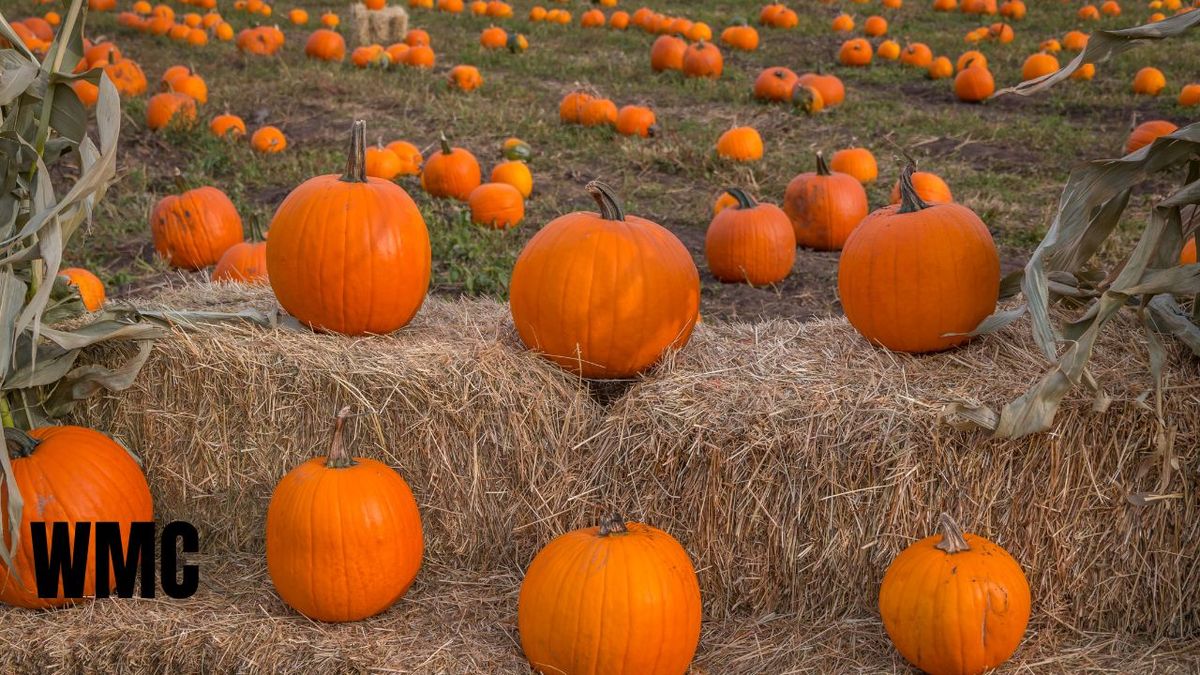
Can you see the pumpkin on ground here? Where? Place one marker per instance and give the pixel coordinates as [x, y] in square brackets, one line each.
[955, 603]
[667, 53]
[703, 59]
[245, 262]
[930, 187]
[917, 277]
[497, 205]
[604, 295]
[451, 172]
[344, 538]
[740, 144]
[349, 254]
[858, 162]
[515, 173]
[775, 84]
[750, 243]
[634, 606]
[1145, 133]
[824, 207]
[636, 120]
[268, 140]
[69, 474]
[193, 229]
[87, 284]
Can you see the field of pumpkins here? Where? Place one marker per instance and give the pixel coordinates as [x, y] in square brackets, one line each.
[586, 337]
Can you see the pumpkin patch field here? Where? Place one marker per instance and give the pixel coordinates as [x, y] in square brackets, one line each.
[582, 337]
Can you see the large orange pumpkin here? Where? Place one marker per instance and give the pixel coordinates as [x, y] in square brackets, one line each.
[191, 230]
[451, 172]
[348, 253]
[955, 603]
[750, 243]
[633, 606]
[70, 474]
[604, 295]
[344, 539]
[917, 277]
[824, 206]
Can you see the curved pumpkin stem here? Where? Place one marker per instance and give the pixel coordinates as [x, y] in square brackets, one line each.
[606, 197]
[614, 524]
[256, 231]
[910, 201]
[338, 457]
[822, 167]
[744, 201]
[445, 142]
[19, 443]
[952, 536]
[356, 161]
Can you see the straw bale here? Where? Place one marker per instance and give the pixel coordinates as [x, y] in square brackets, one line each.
[791, 459]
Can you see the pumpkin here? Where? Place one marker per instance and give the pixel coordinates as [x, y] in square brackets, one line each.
[917, 55]
[465, 78]
[1145, 133]
[619, 21]
[127, 77]
[875, 26]
[330, 20]
[409, 155]
[537, 13]
[451, 6]
[325, 45]
[170, 108]
[940, 68]
[1189, 95]
[775, 84]
[493, 38]
[974, 83]
[451, 172]
[87, 92]
[66, 474]
[770, 13]
[698, 32]
[703, 59]
[1187, 256]
[1051, 46]
[667, 53]
[344, 538]
[515, 148]
[824, 207]
[743, 37]
[740, 144]
[954, 603]
[192, 229]
[1149, 81]
[833, 92]
[420, 56]
[724, 201]
[382, 163]
[190, 85]
[497, 205]
[349, 254]
[888, 49]
[370, 56]
[807, 98]
[930, 187]
[88, 285]
[917, 277]
[634, 608]
[268, 140]
[1075, 41]
[227, 126]
[593, 18]
[599, 112]
[1038, 65]
[604, 295]
[515, 173]
[945, 5]
[843, 23]
[857, 162]
[787, 18]
[855, 52]
[636, 120]
[970, 57]
[298, 17]
[397, 53]
[1085, 72]
[750, 243]
[244, 262]
[1110, 8]
[570, 109]
[417, 37]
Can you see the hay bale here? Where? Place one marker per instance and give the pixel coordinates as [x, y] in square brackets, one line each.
[455, 621]
[381, 26]
[792, 460]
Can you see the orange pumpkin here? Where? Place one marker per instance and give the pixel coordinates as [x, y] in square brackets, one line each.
[515, 173]
[1149, 81]
[636, 120]
[334, 525]
[570, 109]
[88, 285]
[1189, 95]
[497, 205]
[245, 262]
[750, 243]
[857, 162]
[832, 91]
[326, 256]
[1145, 133]
[409, 155]
[917, 55]
[451, 172]
[73, 475]
[634, 608]
[1187, 256]
[465, 78]
[382, 163]
[667, 53]
[599, 112]
[824, 207]
[268, 140]
[741, 37]
[703, 59]
[193, 229]
[955, 603]
[325, 45]
[956, 288]
[775, 84]
[740, 144]
[604, 295]
[1038, 65]
[974, 83]
[855, 52]
[929, 186]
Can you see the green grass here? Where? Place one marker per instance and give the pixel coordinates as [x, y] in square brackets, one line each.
[1006, 159]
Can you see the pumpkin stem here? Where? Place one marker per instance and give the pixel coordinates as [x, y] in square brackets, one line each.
[356, 161]
[338, 457]
[614, 524]
[952, 536]
[256, 232]
[180, 185]
[446, 149]
[19, 443]
[910, 201]
[606, 197]
[822, 167]
[744, 201]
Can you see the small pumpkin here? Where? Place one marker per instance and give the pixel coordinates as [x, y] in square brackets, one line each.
[750, 243]
[381, 162]
[593, 18]
[954, 603]
[1038, 65]
[843, 23]
[409, 156]
[493, 38]
[268, 140]
[917, 55]
[1187, 256]
[740, 37]
[497, 205]
[775, 84]
[1145, 133]
[634, 606]
[892, 305]
[244, 262]
[1149, 81]
[170, 108]
[833, 92]
[929, 186]
[974, 83]
[334, 524]
[824, 207]
[1075, 41]
[515, 173]
[855, 52]
[465, 78]
[857, 162]
[227, 126]
[888, 49]
[667, 53]
[1189, 95]
[875, 26]
[636, 120]
[516, 149]
[570, 291]
[194, 228]
[570, 109]
[940, 69]
[451, 172]
[326, 257]
[87, 284]
[740, 144]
